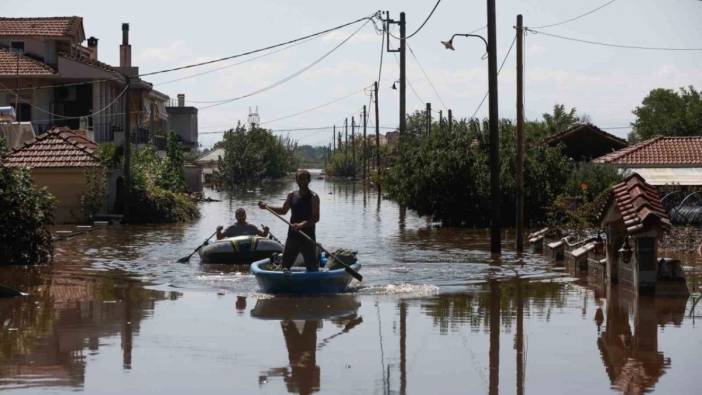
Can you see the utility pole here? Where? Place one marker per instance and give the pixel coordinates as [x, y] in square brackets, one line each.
[377, 129]
[403, 90]
[450, 120]
[338, 146]
[401, 50]
[334, 138]
[495, 198]
[346, 141]
[353, 147]
[441, 120]
[520, 134]
[365, 122]
[126, 196]
[428, 119]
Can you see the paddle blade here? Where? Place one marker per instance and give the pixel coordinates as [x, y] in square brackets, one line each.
[354, 273]
[184, 259]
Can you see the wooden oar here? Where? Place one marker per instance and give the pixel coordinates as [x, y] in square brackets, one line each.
[348, 268]
[187, 258]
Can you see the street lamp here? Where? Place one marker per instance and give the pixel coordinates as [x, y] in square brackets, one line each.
[495, 225]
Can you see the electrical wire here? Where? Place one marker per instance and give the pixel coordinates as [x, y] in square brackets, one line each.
[498, 73]
[576, 17]
[63, 117]
[236, 64]
[354, 93]
[288, 78]
[425, 20]
[189, 66]
[426, 76]
[307, 129]
[604, 44]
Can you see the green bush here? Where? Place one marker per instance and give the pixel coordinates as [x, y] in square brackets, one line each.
[27, 212]
[93, 200]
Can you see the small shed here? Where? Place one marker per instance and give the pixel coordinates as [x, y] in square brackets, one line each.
[634, 221]
[59, 160]
[583, 142]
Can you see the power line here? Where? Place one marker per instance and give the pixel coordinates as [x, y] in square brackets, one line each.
[625, 46]
[498, 73]
[354, 93]
[427, 76]
[366, 18]
[288, 78]
[307, 129]
[577, 17]
[425, 20]
[236, 64]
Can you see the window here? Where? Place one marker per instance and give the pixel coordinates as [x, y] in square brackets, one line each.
[17, 46]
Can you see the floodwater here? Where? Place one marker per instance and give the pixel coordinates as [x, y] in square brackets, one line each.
[116, 314]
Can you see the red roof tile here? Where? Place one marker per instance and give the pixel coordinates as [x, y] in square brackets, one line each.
[26, 65]
[662, 150]
[60, 147]
[62, 26]
[638, 203]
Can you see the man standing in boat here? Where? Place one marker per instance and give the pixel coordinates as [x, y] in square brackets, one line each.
[241, 227]
[304, 205]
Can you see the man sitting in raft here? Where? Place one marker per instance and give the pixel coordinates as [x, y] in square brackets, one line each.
[241, 227]
[305, 214]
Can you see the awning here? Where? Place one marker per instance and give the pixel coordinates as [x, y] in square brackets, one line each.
[669, 175]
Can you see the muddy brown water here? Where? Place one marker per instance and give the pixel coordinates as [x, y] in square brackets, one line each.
[434, 314]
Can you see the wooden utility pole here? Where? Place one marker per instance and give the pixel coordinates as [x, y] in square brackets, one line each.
[126, 195]
[441, 120]
[365, 162]
[428, 119]
[520, 135]
[346, 140]
[377, 129]
[403, 90]
[338, 146]
[495, 197]
[450, 120]
[334, 138]
[353, 147]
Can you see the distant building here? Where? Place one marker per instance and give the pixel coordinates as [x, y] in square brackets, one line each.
[209, 163]
[583, 142]
[183, 122]
[661, 160]
[62, 83]
[59, 160]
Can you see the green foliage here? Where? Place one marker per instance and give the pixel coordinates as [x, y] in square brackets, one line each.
[310, 157]
[669, 113]
[171, 171]
[445, 173]
[93, 200]
[157, 195]
[110, 155]
[27, 212]
[252, 156]
[342, 162]
[560, 119]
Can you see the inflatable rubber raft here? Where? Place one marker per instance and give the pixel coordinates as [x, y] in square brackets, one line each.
[299, 281]
[241, 250]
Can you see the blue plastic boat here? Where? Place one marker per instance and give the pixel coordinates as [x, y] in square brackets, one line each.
[300, 281]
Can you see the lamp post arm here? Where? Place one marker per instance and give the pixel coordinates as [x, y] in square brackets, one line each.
[472, 35]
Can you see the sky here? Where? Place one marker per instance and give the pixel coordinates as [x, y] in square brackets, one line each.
[604, 83]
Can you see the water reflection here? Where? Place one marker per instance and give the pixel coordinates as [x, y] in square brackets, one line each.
[47, 336]
[300, 320]
[630, 355]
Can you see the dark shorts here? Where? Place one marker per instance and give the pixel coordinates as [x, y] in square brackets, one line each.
[296, 244]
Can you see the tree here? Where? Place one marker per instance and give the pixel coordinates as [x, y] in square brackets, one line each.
[561, 119]
[668, 113]
[27, 211]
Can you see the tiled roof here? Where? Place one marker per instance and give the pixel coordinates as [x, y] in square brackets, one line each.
[90, 62]
[62, 26]
[662, 150]
[26, 65]
[585, 127]
[60, 147]
[638, 203]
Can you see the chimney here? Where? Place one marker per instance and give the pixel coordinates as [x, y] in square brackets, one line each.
[181, 100]
[93, 45]
[125, 50]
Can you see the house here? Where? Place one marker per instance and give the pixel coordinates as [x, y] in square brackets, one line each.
[583, 142]
[182, 121]
[663, 160]
[54, 80]
[209, 164]
[59, 160]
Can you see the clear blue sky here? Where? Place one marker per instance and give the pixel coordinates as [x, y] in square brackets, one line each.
[604, 83]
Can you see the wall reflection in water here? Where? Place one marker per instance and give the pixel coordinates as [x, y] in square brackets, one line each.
[300, 320]
[47, 336]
